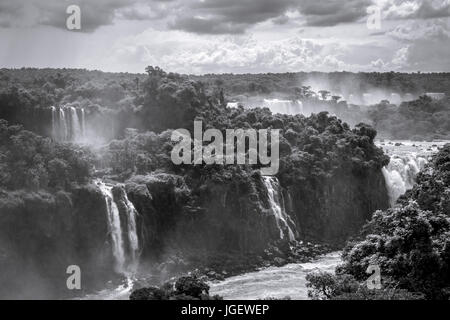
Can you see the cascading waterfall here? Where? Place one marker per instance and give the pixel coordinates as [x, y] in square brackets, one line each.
[114, 226]
[284, 106]
[83, 123]
[53, 121]
[131, 230]
[275, 198]
[63, 132]
[75, 124]
[400, 174]
[68, 124]
[126, 253]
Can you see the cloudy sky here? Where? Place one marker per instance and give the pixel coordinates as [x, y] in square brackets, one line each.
[215, 36]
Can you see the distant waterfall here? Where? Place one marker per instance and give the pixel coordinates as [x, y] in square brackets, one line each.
[125, 249]
[131, 229]
[75, 124]
[53, 121]
[83, 123]
[284, 106]
[63, 132]
[400, 174]
[275, 199]
[68, 124]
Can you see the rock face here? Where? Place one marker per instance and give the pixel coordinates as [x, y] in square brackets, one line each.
[42, 234]
[178, 220]
[222, 217]
[237, 216]
[336, 209]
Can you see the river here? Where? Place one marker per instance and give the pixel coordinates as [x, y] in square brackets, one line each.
[274, 282]
[407, 159]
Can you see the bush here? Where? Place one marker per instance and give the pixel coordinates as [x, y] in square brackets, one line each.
[185, 288]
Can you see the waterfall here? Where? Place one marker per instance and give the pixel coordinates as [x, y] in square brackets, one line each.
[54, 131]
[126, 253]
[284, 106]
[275, 200]
[83, 123]
[68, 124]
[62, 125]
[131, 230]
[114, 226]
[75, 124]
[400, 174]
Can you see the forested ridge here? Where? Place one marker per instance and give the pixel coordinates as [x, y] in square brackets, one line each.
[410, 243]
[120, 98]
[204, 216]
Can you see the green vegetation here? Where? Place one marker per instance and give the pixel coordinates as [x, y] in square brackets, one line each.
[185, 288]
[158, 100]
[410, 243]
[30, 161]
[421, 119]
[265, 83]
[329, 173]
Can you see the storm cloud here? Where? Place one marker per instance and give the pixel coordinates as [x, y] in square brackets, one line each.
[203, 36]
[28, 13]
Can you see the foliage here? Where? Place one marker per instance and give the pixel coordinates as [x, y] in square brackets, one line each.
[33, 162]
[289, 82]
[410, 242]
[185, 288]
[423, 118]
[327, 286]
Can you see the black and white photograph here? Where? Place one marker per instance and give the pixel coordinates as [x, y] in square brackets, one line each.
[250, 152]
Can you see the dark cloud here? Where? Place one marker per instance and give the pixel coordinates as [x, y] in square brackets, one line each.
[53, 12]
[332, 12]
[281, 19]
[208, 26]
[428, 11]
[235, 16]
[231, 16]
[209, 16]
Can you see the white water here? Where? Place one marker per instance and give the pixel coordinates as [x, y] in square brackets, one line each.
[132, 233]
[75, 124]
[232, 104]
[277, 207]
[114, 226]
[63, 133]
[121, 292]
[274, 282]
[67, 125]
[406, 161]
[83, 123]
[126, 256]
[284, 106]
[53, 121]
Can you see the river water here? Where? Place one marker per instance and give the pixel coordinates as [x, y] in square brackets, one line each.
[274, 282]
[407, 158]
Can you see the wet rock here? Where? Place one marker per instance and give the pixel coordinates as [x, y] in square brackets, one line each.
[151, 293]
[279, 261]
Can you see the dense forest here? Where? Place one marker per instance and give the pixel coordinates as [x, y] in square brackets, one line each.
[410, 243]
[235, 84]
[208, 216]
[115, 101]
